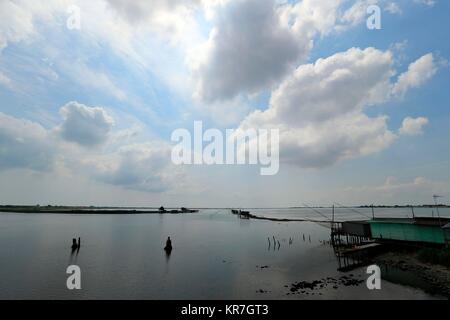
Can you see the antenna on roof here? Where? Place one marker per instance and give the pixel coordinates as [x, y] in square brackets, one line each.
[435, 197]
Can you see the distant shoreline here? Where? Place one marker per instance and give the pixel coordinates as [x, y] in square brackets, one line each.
[89, 210]
[155, 210]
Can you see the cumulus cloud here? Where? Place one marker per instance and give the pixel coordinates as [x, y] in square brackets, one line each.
[413, 126]
[320, 109]
[249, 49]
[142, 167]
[334, 86]
[24, 144]
[86, 126]
[313, 17]
[254, 44]
[417, 74]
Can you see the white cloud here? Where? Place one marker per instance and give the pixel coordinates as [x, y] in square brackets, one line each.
[170, 18]
[429, 3]
[393, 8]
[254, 44]
[24, 144]
[357, 12]
[86, 126]
[140, 43]
[319, 109]
[417, 74]
[310, 17]
[135, 166]
[413, 126]
[18, 19]
[139, 10]
[248, 50]
[142, 167]
[15, 23]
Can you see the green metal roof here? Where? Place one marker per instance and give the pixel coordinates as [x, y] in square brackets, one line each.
[407, 230]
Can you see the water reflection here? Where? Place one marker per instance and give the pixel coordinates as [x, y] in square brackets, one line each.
[168, 253]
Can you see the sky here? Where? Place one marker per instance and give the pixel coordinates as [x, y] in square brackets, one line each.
[91, 92]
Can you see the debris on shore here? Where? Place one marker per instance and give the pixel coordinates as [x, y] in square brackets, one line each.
[306, 287]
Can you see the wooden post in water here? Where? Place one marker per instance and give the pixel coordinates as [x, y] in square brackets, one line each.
[373, 213]
[332, 219]
[332, 227]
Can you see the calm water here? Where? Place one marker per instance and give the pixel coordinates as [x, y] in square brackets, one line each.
[215, 256]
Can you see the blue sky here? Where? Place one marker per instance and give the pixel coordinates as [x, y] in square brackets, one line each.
[364, 114]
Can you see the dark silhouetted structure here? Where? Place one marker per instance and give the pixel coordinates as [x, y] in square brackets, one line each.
[74, 243]
[168, 247]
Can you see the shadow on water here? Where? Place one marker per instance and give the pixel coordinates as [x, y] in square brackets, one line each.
[168, 253]
[275, 245]
[74, 255]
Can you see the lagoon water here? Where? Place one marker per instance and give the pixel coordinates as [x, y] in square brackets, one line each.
[215, 256]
